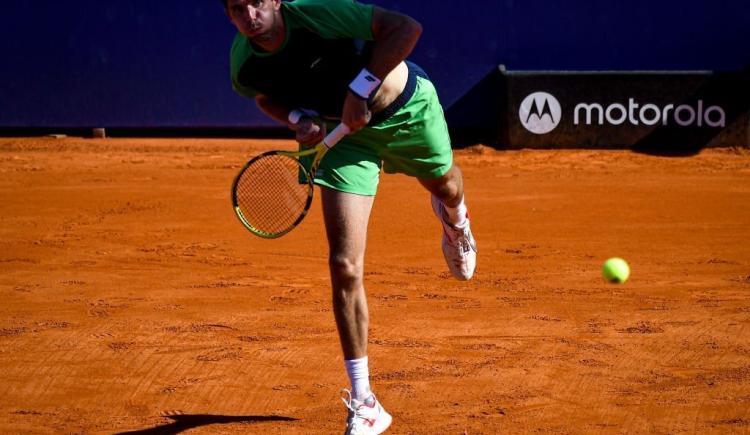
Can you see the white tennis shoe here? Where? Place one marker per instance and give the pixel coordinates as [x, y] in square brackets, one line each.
[366, 417]
[459, 246]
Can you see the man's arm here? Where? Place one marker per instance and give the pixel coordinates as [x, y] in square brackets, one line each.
[308, 131]
[274, 110]
[395, 36]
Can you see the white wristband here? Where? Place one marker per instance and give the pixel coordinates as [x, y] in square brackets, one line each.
[364, 84]
[297, 114]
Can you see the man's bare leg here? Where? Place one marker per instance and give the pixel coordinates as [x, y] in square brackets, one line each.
[346, 218]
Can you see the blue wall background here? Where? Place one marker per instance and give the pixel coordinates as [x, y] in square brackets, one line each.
[164, 63]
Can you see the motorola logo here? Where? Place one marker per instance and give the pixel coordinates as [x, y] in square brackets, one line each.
[540, 113]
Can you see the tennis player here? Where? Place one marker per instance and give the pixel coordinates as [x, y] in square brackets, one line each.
[310, 64]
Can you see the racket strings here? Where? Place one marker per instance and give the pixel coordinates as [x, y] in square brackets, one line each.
[272, 193]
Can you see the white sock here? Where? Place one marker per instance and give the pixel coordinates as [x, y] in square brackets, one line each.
[457, 214]
[359, 376]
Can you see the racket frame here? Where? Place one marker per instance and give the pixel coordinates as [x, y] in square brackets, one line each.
[318, 151]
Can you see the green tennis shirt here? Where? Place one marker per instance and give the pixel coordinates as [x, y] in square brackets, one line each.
[327, 43]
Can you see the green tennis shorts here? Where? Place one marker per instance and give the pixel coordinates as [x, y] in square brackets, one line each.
[413, 140]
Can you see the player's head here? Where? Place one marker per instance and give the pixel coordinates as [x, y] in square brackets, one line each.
[259, 20]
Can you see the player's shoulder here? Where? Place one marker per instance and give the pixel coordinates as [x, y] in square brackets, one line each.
[238, 41]
[330, 18]
[305, 4]
[240, 51]
[239, 45]
[318, 7]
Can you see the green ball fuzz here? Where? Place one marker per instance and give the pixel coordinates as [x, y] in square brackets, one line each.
[616, 270]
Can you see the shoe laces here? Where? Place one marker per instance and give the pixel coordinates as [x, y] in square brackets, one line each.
[357, 417]
[348, 402]
[461, 236]
[462, 239]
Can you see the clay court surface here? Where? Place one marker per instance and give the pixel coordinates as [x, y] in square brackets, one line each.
[134, 301]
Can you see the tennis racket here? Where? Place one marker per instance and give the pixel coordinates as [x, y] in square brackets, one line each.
[273, 191]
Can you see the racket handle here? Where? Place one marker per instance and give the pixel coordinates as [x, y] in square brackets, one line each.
[336, 135]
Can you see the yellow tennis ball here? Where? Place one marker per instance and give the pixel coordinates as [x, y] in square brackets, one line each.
[616, 270]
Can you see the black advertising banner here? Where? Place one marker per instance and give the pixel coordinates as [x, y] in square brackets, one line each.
[658, 112]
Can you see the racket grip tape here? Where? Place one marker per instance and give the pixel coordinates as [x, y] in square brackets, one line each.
[336, 135]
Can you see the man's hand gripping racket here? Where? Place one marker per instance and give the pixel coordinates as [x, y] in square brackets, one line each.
[273, 192]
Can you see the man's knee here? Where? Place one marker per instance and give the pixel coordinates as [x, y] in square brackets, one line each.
[345, 270]
[449, 187]
[446, 191]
